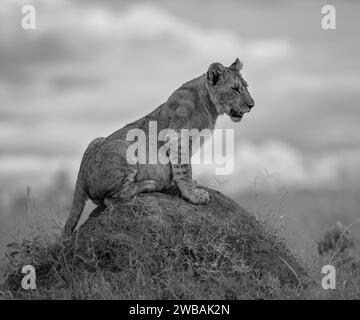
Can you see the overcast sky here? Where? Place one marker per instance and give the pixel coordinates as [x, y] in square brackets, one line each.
[90, 67]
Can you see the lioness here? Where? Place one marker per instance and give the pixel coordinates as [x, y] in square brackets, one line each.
[106, 175]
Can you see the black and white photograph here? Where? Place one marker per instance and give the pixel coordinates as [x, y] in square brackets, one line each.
[179, 155]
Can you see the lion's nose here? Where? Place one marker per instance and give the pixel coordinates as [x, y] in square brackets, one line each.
[250, 104]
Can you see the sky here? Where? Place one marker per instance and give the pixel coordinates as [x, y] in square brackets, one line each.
[91, 67]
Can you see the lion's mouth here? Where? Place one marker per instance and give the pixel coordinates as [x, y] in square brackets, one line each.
[235, 116]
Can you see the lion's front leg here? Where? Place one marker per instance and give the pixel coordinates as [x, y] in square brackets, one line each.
[187, 188]
[182, 175]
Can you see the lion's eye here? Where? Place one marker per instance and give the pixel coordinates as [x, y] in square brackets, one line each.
[236, 89]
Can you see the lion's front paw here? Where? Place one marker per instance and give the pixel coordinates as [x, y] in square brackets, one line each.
[196, 195]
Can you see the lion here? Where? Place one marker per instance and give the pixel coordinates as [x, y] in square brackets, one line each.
[106, 176]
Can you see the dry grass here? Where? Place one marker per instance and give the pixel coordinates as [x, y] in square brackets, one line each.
[60, 278]
[69, 281]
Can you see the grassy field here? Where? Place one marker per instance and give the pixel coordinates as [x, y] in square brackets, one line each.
[299, 217]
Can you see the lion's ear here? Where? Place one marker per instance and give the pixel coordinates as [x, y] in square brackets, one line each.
[237, 65]
[215, 73]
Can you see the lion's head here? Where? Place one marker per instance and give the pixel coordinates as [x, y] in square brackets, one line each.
[228, 90]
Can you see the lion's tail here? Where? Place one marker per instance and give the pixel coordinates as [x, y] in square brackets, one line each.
[80, 194]
[79, 200]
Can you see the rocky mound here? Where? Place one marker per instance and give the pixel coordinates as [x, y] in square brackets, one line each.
[159, 246]
[160, 231]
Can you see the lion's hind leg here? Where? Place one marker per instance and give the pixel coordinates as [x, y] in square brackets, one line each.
[147, 186]
[132, 189]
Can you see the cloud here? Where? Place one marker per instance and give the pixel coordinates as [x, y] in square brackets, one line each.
[74, 25]
[283, 165]
[150, 22]
[313, 83]
[269, 49]
[82, 56]
[87, 70]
